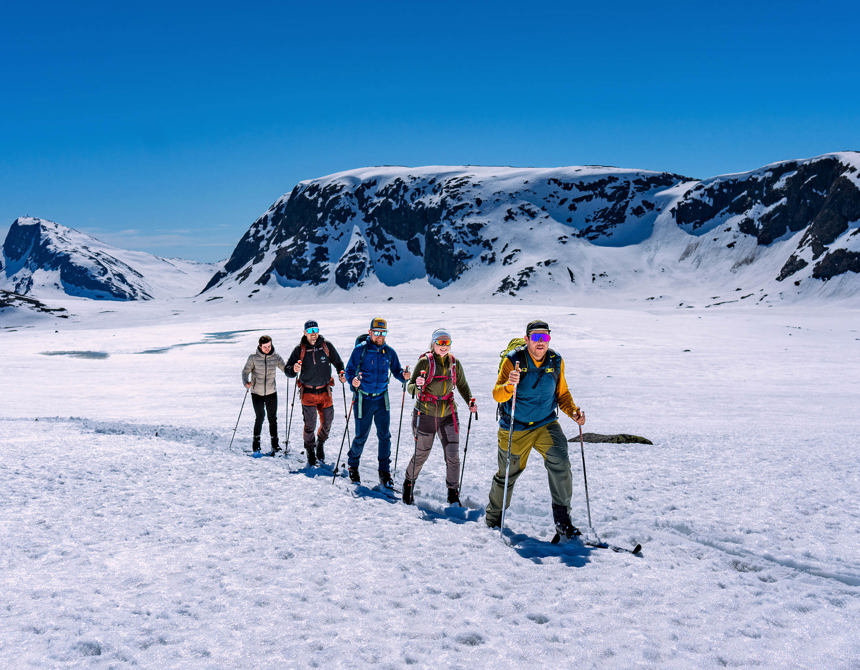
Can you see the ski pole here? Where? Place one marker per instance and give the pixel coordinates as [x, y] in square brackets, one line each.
[237, 420]
[466, 447]
[343, 439]
[417, 422]
[399, 429]
[585, 478]
[508, 457]
[287, 419]
[290, 420]
[346, 416]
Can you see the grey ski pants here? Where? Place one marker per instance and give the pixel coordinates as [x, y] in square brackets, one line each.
[309, 414]
[425, 428]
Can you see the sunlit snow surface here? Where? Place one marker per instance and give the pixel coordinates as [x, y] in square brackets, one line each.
[130, 534]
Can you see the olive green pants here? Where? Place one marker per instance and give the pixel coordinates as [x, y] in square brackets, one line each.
[550, 442]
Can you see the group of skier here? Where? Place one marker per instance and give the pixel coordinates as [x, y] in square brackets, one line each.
[529, 390]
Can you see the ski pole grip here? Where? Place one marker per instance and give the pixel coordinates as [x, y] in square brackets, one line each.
[421, 374]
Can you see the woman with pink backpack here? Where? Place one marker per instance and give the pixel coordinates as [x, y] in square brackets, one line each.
[434, 379]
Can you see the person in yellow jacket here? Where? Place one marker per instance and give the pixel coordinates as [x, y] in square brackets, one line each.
[537, 374]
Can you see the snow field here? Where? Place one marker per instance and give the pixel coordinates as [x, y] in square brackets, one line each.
[123, 547]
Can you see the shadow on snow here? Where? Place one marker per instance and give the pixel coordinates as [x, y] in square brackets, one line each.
[572, 553]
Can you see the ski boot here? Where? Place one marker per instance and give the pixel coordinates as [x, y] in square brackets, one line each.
[408, 491]
[385, 479]
[563, 526]
[312, 459]
[275, 446]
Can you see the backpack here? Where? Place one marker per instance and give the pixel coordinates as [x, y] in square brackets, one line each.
[361, 341]
[516, 343]
[302, 359]
[304, 349]
[424, 396]
[431, 367]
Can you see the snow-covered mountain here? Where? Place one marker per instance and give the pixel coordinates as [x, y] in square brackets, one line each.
[44, 258]
[788, 228]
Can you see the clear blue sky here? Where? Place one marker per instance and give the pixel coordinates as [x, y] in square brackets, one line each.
[169, 127]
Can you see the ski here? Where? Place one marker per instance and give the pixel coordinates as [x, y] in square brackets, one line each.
[600, 544]
[259, 454]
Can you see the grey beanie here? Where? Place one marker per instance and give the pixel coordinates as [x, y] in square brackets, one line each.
[439, 332]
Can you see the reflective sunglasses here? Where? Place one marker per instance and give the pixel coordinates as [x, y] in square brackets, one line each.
[379, 333]
[443, 341]
[312, 331]
[539, 337]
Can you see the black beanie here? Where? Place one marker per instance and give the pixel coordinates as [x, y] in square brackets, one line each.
[537, 325]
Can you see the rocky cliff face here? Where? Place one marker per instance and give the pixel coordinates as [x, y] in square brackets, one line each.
[399, 224]
[506, 229]
[820, 197]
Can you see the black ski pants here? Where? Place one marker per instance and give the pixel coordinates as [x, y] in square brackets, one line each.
[265, 406]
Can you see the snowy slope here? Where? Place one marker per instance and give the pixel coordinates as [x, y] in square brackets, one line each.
[45, 259]
[133, 534]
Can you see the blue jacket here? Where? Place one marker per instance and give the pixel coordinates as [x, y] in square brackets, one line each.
[376, 362]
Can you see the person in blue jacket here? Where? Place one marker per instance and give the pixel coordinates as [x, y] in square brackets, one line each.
[369, 366]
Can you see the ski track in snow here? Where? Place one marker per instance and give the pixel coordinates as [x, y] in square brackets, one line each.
[133, 541]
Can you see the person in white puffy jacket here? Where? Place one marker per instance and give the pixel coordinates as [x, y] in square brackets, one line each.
[258, 375]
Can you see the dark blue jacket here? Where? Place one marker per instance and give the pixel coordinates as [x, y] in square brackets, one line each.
[376, 363]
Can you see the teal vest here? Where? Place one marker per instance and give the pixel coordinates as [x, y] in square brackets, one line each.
[537, 404]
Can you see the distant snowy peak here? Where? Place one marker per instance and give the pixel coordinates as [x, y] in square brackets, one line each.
[41, 257]
[506, 231]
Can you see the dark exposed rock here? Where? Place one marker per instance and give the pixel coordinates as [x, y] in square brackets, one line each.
[835, 263]
[841, 206]
[511, 285]
[620, 438]
[9, 300]
[792, 265]
[353, 266]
